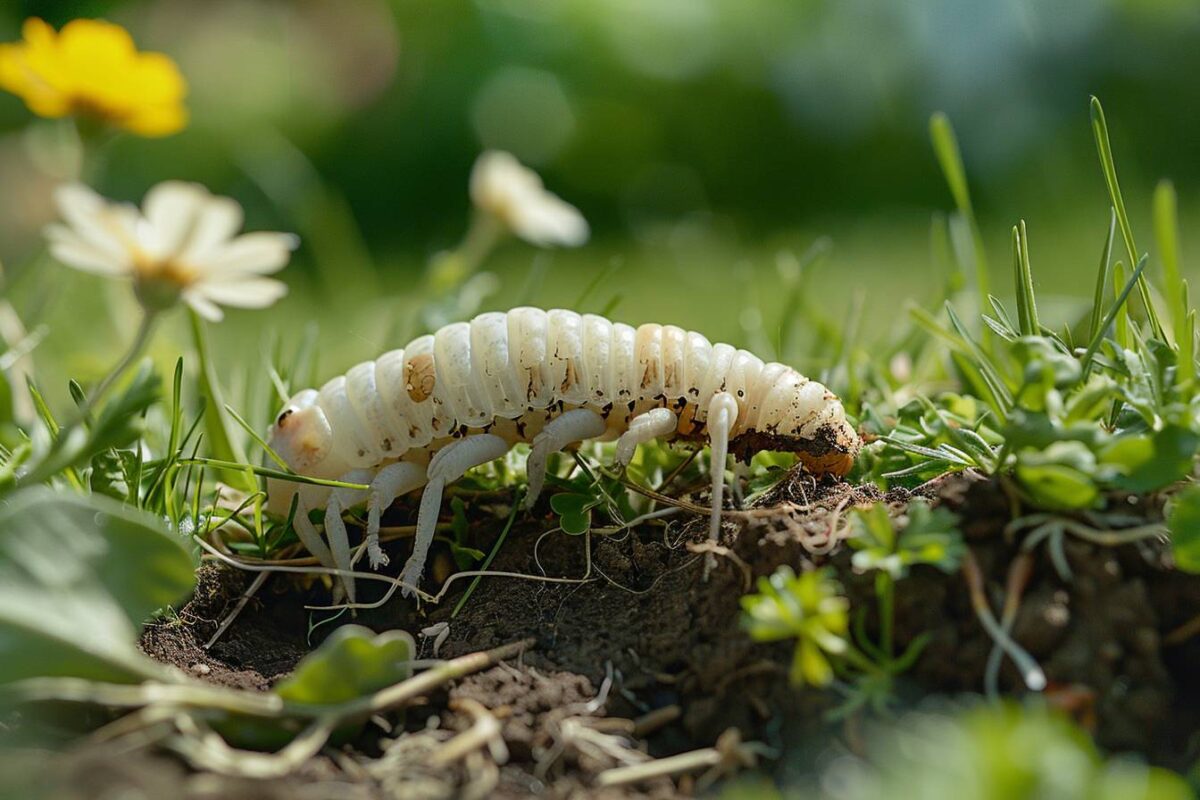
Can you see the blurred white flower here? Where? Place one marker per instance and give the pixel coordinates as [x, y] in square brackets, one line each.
[514, 195]
[182, 245]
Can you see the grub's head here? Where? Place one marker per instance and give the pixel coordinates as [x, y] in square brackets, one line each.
[301, 435]
[805, 418]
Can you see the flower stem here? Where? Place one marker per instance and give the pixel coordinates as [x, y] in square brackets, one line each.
[885, 591]
[135, 349]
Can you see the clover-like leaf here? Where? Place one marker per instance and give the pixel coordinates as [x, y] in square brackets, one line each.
[574, 511]
[354, 661]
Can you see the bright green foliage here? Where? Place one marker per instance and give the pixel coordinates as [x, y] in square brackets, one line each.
[809, 608]
[1060, 477]
[1067, 422]
[999, 752]
[928, 536]
[1183, 521]
[588, 491]
[78, 577]
[465, 557]
[574, 511]
[352, 662]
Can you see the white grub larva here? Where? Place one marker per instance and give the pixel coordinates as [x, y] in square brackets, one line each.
[424, 415]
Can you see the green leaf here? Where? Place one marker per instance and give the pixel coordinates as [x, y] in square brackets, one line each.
[1183, 522]
[351, 663]
[1057, 487]
[78, 576]
[576, 524]
[1149, 462]
[1104, 148]
[1166, 234]
[569, 503]
[222, 442]
[1026, 301]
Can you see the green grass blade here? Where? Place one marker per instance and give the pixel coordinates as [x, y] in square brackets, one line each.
[1003, 396]
[1027, 316]
[1121, 328]
[1104, 148]
[945, 147]
[512, 515]
[1166, 235]
[1113, 312]
[47, 417]
[949, 156]
[1185, 336]
[223, 445]
[1102, 276]
[261, 442]
[266, 472]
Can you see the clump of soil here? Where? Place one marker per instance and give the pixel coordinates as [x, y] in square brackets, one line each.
[634, 644]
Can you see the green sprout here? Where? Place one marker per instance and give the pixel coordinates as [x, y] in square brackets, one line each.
[809, 608]
[927, 536]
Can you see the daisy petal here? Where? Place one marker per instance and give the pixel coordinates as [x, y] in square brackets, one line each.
[551, 221]
[259, 253]
[203, 306]
[247, 293]
[216, 222]
[72, 250]
[102, 224]
[171, 209]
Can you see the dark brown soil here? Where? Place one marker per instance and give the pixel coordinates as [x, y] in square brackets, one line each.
[648, 651]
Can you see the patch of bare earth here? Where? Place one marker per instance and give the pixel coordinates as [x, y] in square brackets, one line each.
[641, 657]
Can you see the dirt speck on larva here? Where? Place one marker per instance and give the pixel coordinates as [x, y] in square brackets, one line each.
[648, 653]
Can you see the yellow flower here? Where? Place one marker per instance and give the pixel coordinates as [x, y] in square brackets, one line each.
[182, 245]
[92, 69]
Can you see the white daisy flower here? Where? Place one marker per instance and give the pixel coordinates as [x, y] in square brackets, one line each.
[514, 195]
[182, 245]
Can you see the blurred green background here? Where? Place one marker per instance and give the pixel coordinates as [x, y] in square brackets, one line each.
[706, 141]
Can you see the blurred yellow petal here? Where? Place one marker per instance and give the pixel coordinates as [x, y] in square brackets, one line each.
[92, 68]
[157, 121]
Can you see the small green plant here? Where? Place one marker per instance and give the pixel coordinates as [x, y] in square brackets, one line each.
[809, 608]
[925, 535]
[1064, 417]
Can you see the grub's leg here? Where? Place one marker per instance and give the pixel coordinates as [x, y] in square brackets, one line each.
[573, 426]
[722, 413]
[310, 538]
[335, 528]
[447, 465]
[391, 482]
[643, 428]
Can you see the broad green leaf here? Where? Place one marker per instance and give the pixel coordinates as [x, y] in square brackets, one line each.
[1148, 462]
[78, 576]
[570, 503]
[1060, 478]
[1184, 524]
[576, 524]
[352, 662]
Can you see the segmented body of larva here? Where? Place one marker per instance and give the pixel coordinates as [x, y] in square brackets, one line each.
[450, 401]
